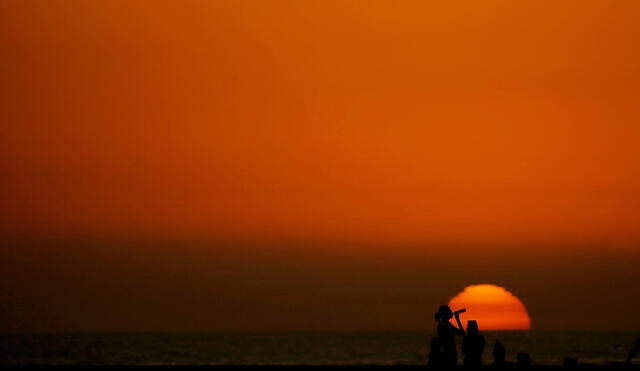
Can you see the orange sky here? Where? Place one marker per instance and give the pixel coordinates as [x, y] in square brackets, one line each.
[357, 120]
[400, 123]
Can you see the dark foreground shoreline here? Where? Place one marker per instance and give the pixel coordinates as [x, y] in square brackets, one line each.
[614, 366]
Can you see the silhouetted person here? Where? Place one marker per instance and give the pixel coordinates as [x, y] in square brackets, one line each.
[523, 360]
[447, 333]
[435, 353]
[472, 346]
[499, 353]
[569, 362]
[634, 351]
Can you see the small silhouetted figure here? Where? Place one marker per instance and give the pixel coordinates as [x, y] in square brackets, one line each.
[435, 353]
[569, 362]
[472, 345]
[447, 333]
[523, 360]
[499, 354]
[634, 351]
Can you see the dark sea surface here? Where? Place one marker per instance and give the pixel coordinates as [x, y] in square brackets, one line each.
[330, 348]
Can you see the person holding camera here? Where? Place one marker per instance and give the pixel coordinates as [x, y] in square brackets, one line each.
[447, 333]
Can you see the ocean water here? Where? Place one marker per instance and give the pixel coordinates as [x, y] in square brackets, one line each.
[331, 348]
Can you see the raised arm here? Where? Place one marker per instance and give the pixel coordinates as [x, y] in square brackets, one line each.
[460, 329]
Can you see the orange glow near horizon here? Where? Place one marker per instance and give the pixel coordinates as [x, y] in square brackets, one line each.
[493, 307]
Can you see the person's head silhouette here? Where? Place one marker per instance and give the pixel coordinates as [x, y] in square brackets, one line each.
[444, 314]
[472, 327]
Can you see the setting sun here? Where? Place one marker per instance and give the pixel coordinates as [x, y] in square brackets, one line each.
[493, 307]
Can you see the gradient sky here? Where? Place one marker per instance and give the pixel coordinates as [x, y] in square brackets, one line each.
[290, 165]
